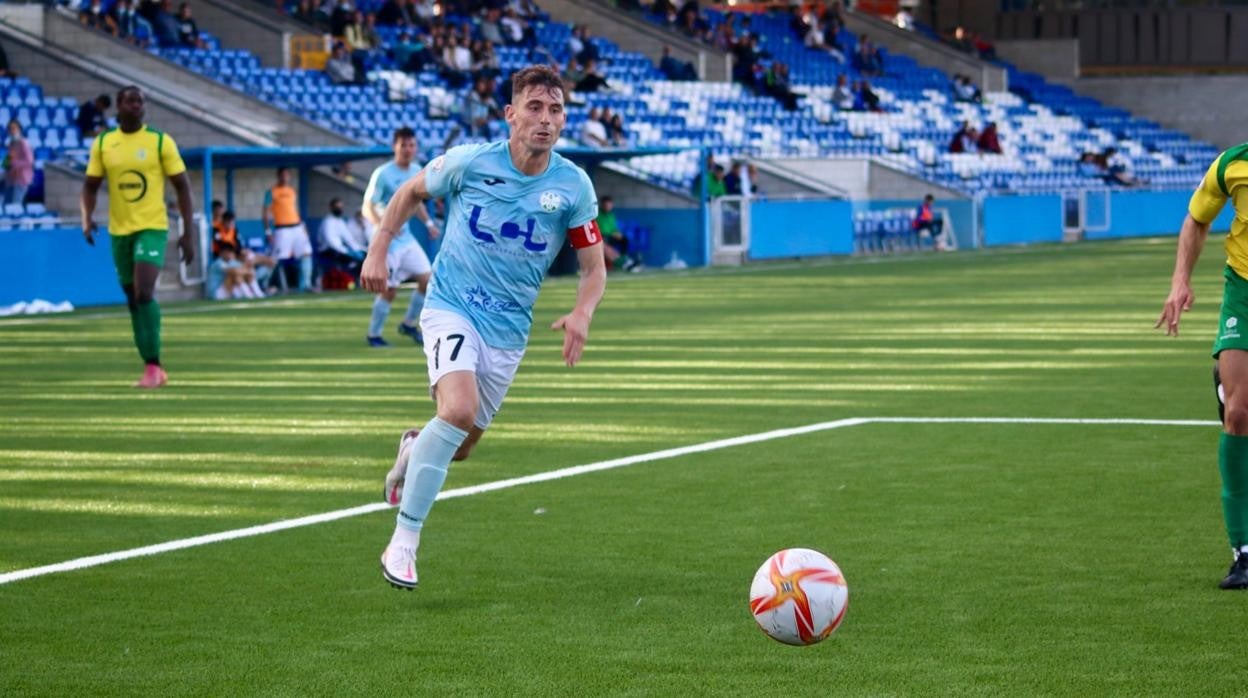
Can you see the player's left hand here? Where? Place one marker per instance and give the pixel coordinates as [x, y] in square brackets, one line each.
[575, 331]
[434, 231]
[186, 245]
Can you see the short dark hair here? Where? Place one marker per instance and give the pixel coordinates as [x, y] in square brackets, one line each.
[929, 197]
[605, 199]
[282, 169]
[403, 132]
[218, 202]
[535, 76]
[227, 216]
[104, 100]
[123, 91]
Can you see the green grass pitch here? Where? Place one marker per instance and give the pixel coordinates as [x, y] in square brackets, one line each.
[982, 559]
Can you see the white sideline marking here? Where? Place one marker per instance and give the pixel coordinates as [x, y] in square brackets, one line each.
[170, 546]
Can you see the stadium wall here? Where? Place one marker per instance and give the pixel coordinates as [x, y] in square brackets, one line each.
[57, 265]
[1209, 107]
[782, 229]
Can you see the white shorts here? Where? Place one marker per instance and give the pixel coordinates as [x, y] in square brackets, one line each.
[452, 344]
[410, 262]
[291, 241]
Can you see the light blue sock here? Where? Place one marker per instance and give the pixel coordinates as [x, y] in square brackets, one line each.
[426, 470]
[305, 273]
[414, 306]
[381, 311]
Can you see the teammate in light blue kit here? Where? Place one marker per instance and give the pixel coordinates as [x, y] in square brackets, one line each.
[407, 260]
[511, 207]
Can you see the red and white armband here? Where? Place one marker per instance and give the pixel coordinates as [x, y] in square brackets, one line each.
[585, 235]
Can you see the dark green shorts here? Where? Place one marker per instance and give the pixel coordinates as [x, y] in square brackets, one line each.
[147, 246]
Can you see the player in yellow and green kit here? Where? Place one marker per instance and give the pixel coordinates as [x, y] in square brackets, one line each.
[136, 159]
[1227, 178]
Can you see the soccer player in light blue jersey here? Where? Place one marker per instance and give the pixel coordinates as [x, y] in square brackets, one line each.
[511, 206]
[407, 260]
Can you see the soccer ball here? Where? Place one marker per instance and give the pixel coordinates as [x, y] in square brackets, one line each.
[799, 596]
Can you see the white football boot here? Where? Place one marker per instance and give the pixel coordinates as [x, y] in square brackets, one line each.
[394, 479]
[398, 565]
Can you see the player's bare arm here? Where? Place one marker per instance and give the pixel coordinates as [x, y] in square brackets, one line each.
[589, 292]
[1191, 241]
[86, 206]
[186, 207]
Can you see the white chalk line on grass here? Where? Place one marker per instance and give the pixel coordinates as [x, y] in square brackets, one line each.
[561, 473]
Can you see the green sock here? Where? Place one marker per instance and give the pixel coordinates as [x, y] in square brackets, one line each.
[138, 328]
[149, 338]
[1233, 462]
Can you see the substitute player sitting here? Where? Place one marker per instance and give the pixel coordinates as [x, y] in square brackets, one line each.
[511, 206]
[406, 258]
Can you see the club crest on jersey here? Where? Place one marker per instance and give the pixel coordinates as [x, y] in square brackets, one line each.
[550, 201]
[140, 154]
[438, 163]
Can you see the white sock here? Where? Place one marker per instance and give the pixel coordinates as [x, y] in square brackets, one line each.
[405, 537]
[255, 288]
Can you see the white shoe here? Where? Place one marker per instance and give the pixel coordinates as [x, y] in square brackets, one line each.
[398, 566]
[398, 473]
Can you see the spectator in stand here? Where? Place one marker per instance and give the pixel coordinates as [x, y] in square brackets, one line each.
[960, 39]
[867, 58]
[867, 98]
[778, 85]
[456, 62]
[965, 140]
[674, 68]
[93, 15]
[338, 244]
[616, 131]
[739, 182]
[575, 43]
[484, 60]
[1117, 168]
[965, 91]
[745, 60]
[481, 108]
[984, 48]
[572, 74]
[593, 132]
[19, 166]
[340, 17]
[832, 42]
[339, 67]
[395, 13]
[989, 141]
[93, 116]
[927, 224]
[589, 51]
[725, 37]
[305, 11]
[842, 96]
[798, 22]
[491, 27]
[165, 25]
[131, 26]
[516, 30]
[188, 31]
[411, 56]
[593, 80]
[664, 10]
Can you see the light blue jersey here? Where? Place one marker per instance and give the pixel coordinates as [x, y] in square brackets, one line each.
[385, 181]
[503, 230]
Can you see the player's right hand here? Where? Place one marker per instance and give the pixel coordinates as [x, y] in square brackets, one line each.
[373, 276]
[88, 233]
[1179, 300]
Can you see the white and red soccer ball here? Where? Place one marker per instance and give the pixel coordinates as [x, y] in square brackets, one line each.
[799, 596]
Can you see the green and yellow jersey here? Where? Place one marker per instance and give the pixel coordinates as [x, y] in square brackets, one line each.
[136, 165]
[1227, 178]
